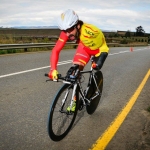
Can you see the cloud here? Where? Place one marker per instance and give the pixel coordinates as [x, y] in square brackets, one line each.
[108, 14]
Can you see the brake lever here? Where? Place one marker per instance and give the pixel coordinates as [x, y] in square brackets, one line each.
[59, 75]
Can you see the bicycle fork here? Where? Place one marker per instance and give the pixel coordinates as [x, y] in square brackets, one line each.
[72, 97]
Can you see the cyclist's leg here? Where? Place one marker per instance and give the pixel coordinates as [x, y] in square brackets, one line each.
[80, 59]
[81, 56]
[99, 61]
[100, 57]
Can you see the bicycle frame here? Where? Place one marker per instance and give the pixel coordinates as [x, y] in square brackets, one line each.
[78, 85]
[83, 95]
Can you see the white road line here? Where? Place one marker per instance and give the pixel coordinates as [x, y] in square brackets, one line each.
[128, 51]
[118, 53]
[16, 73]
[62, 63]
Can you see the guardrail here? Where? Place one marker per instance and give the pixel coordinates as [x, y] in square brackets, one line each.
[39, 45]
[30, 45]
[35, 45]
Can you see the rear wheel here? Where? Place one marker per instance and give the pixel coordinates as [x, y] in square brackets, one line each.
[60, 120]
[91, 92]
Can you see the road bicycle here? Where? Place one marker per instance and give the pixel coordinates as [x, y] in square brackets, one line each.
[61, 120]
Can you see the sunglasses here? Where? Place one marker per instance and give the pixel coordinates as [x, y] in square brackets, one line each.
[70, 29]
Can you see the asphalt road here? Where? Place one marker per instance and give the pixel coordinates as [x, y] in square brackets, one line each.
[25, 100]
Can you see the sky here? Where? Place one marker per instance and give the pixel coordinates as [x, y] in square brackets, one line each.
[112, 15]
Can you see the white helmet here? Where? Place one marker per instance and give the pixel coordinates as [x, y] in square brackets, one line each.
[67, 19]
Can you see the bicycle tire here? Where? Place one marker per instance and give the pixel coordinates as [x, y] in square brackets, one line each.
[91, 91]
[57, 120]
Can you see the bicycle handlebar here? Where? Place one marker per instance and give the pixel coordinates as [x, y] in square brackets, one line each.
[69, 79]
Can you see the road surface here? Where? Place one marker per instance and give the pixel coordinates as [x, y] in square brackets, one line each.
[25, 100]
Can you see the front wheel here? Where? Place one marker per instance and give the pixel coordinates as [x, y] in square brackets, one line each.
[91, 92]
[60, 120]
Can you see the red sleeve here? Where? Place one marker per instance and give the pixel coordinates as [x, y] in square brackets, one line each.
[56, 50]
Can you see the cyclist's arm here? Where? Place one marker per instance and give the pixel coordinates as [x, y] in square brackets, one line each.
[56, 50]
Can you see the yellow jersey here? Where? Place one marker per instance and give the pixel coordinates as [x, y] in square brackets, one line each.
[93, 38]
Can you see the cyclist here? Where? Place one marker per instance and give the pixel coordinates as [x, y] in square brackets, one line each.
[90, 39]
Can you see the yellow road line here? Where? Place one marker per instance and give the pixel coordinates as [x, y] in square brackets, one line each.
[103, 141]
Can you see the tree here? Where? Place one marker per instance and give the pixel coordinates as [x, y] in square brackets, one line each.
[128, 34]
[140, 31]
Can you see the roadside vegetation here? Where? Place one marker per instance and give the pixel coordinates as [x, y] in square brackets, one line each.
[120, 38]
[130, 38]
[9, 39]
[21, 40]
